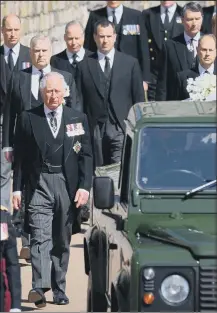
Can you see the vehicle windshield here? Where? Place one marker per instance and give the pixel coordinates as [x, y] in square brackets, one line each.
[176, 157]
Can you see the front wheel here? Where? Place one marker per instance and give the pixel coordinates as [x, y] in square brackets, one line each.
[96, 302]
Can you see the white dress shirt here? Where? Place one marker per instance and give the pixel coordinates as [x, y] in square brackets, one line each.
[203, 70]
[80, 55]
[59, 112]
[118, 13]
[101, 58]
[195, 42]
[15, 53]
[35, 79]
[171, 12]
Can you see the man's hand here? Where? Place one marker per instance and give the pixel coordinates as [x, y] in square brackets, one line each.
[145, 86]
[81, 197]
[9, 156]
[16, 202]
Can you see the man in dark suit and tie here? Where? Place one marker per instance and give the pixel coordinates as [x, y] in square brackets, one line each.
[13, 57]
[131, 34]
[208, 12]
[162, 22]
[24, 94]
[68, 59]
[206, 53]
[53, 161]
[110, 82]
[179, 53]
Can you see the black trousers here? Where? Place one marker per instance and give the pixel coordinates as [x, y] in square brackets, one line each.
[108, 143]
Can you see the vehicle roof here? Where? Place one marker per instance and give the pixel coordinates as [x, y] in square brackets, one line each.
[144, 110]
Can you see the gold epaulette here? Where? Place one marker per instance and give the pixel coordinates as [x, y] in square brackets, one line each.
[3, 208]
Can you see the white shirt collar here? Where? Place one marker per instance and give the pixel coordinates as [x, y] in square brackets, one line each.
[118, 10]
[80, 54]
[171, 9]
[16, 49]
[188, 38]
[58, 110]
[203, 70]
[46, 69]
[110, 55]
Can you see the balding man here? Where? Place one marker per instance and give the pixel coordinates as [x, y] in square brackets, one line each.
[53, 159]
[13, 56]
[24, 94]
[206, 52]
[68, 59]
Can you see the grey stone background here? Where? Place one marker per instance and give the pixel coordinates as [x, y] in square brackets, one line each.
[50, 17]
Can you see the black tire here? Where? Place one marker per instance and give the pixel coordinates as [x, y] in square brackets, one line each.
[96, 302]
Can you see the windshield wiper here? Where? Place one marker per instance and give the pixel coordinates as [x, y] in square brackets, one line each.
[194, 191]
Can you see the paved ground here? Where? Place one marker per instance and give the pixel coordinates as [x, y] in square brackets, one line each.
[76, 281]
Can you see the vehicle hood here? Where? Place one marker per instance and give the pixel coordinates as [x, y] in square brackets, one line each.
[201, 241]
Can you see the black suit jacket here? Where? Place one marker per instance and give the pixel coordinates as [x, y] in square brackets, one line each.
[29, 152]
[24, 56]
[61, 62]
[207, 19]
[181, 83]
[126, 87]
[19, 99]
[174, 58]
[134, 45]
[152, 20]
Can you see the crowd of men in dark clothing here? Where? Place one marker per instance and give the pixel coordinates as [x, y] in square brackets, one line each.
[120, 58]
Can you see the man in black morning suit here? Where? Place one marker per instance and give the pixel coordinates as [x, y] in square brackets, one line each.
[131, 34]
[179, 53]
[110, 82]
[13, 57]
[206, 55]
[68, 59]
[53, 160]
[162, 22]
[208, 13]
[23, 94]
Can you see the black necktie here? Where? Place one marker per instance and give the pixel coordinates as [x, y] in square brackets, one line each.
[53, 121]
[74, 62]
[114, 18]
[39, 94]
[166, 21]
[107, 67]
[10, 60]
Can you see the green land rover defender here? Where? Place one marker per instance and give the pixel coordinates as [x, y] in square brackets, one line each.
[151, 244]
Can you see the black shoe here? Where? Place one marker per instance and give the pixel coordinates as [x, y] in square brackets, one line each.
[85, 213]
[60, 298]
[37, 296]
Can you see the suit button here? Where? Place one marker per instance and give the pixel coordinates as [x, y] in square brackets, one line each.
[165, 31]
[152, 58]
[165, 38]
[149, 40]
[151, 49]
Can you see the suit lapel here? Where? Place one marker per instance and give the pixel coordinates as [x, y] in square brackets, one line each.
[68, 141]
[3, 71]
[177, 28]
[181, 48]
[93, 68]
[38, 121]
[25, 87]
[155, 20]
[116, 73]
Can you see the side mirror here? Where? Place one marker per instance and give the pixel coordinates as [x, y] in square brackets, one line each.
[103, 192]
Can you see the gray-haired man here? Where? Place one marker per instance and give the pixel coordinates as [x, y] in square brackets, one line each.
[53, 159]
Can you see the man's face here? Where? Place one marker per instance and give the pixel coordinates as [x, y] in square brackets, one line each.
[53, 93]
[167, 4]
[113, 4]
[41, 54]
[192, 22]
[74, 38]
[105, 38]
[11, 31]
[206, 51]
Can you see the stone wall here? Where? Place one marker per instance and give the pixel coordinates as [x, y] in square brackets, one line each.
[50, 17]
